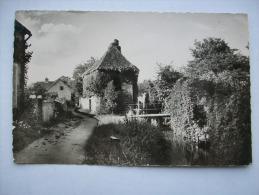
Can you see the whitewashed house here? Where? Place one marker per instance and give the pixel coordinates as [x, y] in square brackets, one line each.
[62, 87]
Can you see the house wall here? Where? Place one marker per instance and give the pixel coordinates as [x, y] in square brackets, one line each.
[65, 93]
[16, 85]
[90, 104]
[18, 69]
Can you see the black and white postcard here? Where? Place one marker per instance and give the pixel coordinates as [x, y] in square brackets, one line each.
[131, 88]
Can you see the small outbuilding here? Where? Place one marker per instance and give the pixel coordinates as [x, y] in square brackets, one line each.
[110, 84]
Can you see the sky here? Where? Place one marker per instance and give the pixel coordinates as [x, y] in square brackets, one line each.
[62, 40]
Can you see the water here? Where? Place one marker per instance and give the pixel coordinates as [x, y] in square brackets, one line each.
[184, 153]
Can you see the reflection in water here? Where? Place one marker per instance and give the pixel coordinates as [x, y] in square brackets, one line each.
[186, 153]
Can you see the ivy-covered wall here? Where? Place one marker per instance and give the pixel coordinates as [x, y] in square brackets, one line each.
[181, 109]
[108, 87]
[220, 109]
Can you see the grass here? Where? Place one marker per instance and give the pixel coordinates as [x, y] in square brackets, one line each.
[140, 144]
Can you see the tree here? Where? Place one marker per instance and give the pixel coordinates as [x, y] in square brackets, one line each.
[166, 78]
[77, 74]
[215, 96]
[37, 89]
[145, 86]
[161, 87]
[81, 68]
[214, 56]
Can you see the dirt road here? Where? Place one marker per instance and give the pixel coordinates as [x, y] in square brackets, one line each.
[62, 147]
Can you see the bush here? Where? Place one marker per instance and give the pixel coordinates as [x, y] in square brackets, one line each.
[112, 99]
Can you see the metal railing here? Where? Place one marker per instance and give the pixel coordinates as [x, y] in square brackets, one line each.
[148, 108]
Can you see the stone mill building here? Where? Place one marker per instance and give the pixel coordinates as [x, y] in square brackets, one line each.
[110, 83]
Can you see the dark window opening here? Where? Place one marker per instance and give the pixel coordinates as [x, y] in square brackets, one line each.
[90, 104]
[61, 88]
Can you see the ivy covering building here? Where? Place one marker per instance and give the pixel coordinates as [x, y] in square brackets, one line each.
[21, 58]
[110, 84]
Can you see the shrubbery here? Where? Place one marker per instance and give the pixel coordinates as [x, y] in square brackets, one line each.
[112, 99]
[103, 86]
[215, 97]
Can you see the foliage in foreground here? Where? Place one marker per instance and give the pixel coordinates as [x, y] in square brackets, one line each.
[215, 97]
[140, 144]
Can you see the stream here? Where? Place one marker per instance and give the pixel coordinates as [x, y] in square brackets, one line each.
[184, 153]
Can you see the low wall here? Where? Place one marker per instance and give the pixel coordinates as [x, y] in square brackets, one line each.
[47, 111]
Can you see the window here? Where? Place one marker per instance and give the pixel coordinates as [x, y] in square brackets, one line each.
[61, 88]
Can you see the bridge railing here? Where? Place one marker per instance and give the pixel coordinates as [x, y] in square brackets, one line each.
[148, 108]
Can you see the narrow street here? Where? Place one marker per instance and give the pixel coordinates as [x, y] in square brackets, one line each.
[63, 148]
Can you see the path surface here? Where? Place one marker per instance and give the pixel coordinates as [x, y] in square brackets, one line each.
[66, 147]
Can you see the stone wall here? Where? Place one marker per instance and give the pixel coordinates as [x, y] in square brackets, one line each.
[47, 111]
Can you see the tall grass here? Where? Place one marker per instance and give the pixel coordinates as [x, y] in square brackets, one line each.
[140, 144]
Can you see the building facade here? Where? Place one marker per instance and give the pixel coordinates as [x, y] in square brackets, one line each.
[20, 59]
[62, 89]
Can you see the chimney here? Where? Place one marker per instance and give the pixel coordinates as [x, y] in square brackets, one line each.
[116, 44]
[46, 80]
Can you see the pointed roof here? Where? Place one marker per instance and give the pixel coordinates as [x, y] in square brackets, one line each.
[22, 29]
[112, 60]
[45, 84]
[65, 80]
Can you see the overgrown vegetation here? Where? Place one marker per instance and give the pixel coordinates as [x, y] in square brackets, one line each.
[77, 75]
[112, 99]
[160, 88]
[37, 89]
[209, 103]
[108, 87]
[139, 143]
[215, 97]
[209, 99]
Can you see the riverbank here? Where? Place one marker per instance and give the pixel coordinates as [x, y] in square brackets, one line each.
[128, 143]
